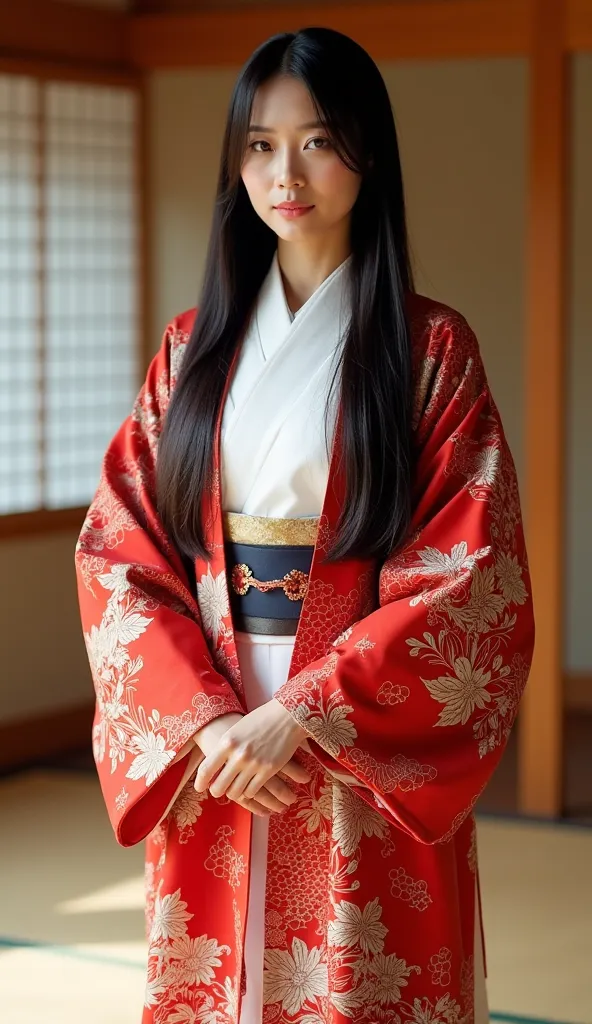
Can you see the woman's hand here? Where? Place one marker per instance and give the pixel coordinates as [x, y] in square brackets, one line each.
[207, 740]
[247, 757]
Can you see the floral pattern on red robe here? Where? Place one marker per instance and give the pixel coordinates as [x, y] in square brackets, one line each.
[406, 675]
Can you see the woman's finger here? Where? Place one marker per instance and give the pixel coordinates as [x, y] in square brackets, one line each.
[254, 807]
[295, 771]
[225, 778]
[276, 787]
[237, 789]
[266, 797]
[211, 765]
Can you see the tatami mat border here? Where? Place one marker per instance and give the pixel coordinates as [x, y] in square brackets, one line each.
[79, 954]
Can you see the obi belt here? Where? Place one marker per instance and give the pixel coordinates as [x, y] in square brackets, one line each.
[268, 563]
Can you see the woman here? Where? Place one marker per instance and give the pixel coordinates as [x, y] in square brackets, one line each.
[308, 620]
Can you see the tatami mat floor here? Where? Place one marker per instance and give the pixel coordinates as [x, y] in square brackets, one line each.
[71, 928]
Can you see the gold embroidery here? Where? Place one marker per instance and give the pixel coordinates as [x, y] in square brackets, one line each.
[242, 529]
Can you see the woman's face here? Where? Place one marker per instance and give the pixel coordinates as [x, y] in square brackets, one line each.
[289, 159]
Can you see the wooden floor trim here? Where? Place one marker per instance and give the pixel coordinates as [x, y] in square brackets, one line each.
[27, 740]
[578, 691]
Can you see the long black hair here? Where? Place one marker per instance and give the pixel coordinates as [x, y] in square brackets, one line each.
[352, 102]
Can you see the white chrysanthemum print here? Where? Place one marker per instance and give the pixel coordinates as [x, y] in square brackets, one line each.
[484, 605]
[152, 758]
[101, 642]
[461, 693]
[294, 978]
[115, 708]
[437, 563]
[423, 1011]
[332, 729]
[212, 596]
[509, 577]
[153, 992]
[188, 806]
[170, 917]
[184, 1014]
[389, 977]
[355, 927]
[315, 811]
[128, 626]
[195, 959]
[352, 818]
[456, 566]
[485, 466]
[230, 1000]
[116, 579]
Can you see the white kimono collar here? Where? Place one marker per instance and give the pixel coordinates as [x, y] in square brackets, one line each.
[274, 318]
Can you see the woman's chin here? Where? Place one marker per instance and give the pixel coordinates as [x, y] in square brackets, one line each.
[292, 230]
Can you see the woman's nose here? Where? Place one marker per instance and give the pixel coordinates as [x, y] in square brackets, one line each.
[288, 173]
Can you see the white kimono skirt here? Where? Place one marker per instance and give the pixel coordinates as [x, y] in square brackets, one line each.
[275, 463]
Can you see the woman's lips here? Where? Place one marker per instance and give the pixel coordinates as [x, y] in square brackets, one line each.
[290, 212]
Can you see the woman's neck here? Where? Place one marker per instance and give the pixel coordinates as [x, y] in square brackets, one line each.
[304, 271]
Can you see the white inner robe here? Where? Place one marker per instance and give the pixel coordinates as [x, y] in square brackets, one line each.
[274, 457]
[275, 463]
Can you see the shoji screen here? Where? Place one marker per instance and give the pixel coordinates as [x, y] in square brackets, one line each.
[69, 351]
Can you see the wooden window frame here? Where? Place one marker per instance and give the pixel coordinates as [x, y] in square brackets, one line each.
[48, 521]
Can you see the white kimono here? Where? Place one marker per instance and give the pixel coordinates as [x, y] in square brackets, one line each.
[275, 463]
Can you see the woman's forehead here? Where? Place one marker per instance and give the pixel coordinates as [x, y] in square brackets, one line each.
[283, 101]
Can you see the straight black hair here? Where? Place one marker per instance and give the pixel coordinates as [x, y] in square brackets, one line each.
[374, 372]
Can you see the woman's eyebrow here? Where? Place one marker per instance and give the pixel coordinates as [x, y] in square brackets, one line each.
[301, 127]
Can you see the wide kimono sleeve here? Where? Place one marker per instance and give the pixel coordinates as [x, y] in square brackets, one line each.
[153, 674]
[417, 699]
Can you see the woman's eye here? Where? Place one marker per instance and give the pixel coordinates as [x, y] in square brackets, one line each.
[262, 146]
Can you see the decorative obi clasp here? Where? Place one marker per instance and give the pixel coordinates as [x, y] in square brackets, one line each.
[294, 583]
[269, 563]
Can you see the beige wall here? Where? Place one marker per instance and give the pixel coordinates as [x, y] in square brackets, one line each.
[461, 127]
[44, 664]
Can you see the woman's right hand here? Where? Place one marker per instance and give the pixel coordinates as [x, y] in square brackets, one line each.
[275, 795]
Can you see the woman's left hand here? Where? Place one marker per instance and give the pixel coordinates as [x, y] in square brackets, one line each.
[259, 746]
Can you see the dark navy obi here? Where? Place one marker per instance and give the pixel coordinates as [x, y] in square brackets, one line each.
[268, 562]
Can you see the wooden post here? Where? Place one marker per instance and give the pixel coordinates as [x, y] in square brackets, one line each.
[540, 771]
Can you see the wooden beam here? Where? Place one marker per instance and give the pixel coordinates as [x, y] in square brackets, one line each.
[541, 721]
[397, 31]
[579, 26]
[44, 70]
[64, 33]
